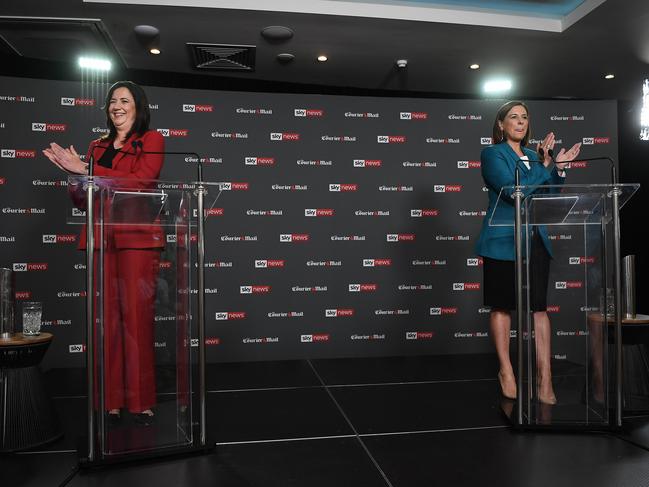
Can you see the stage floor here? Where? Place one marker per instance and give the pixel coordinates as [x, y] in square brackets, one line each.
[401, 422]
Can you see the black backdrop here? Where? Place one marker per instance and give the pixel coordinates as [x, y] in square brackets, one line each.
[351, 219]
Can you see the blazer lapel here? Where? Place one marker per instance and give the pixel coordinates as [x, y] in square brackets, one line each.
[126, 150]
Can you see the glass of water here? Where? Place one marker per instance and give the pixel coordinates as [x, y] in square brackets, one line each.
[32, 313]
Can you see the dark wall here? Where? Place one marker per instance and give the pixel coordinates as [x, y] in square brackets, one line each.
[634, 168]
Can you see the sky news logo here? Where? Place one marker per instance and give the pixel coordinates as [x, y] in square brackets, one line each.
[377, 262]
[568, 285]
[58, 239]
[486, 140]
[308, 112]
[269, 263]
[553, 308]
[293, 237]
[230, 315]
[318, 212]
[422, 212]
[256, 289]
[17, 153]
[234, 186]
[413, 116]
[474, 262]
[77, 348]
[174, 132]
[447, 188]
[363, 288]
[339, 313]
[343, 187]
[77, 102]
[315, 337]
[30, 266]
[419, 335]
[198, 108]
[400, 237]
[391, 139]
[284, 136]
[466, 286]
[439, 311]
[259, 161]
[596, 140]
[581, 260]
[367, 162]
[469, 164]
[48, 127]
[21, 295]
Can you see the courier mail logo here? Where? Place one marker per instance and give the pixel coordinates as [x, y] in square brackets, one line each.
[198, 108]
[230, 315]
[48, 127]
[77, 102]
[391, 139]
[284, 136]
[413, 116]
[308, 112]
[17, 153]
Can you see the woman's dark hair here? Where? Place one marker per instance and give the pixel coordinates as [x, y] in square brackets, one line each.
[498, 135]
[142, 114]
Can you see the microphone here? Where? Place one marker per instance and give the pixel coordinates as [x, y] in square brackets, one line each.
[602, 158]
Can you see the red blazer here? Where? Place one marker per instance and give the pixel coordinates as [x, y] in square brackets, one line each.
[133, 169]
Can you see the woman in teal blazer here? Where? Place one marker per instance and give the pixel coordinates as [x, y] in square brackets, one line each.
[511, 132]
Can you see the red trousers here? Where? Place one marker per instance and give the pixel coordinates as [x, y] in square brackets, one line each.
[129, 293]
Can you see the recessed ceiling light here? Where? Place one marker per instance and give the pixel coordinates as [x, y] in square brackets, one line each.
[322, 58]
[609, 76]
[154, 51]
[94, 63]
[277, 33]
[475, 66]
[497, 86]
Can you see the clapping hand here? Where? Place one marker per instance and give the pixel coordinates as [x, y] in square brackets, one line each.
[547, 145]
[66, 159]
[565, 156]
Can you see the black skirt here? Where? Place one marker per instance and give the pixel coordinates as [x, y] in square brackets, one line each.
[499, 283]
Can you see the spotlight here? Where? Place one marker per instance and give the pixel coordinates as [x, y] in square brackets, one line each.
[94, 63]
[497, 86]
[609, 76]
[149, 37]
[474, 66]
[401, 63]
[322, 58]
[644, 113]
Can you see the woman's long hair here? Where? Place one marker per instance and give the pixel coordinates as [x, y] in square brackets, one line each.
[142, 113]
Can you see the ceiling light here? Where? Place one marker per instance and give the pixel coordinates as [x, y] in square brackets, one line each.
[475, 66]
[609, 76]
[149, 37]
[285, 57]
[497, 86]
[322, 58]
[276, 33]
[402, 63]
[94, 63]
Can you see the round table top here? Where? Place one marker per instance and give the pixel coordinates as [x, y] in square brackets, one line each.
[639, 319]
[20, 339]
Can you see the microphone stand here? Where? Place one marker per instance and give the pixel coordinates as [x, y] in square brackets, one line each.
[200, 193]
[90, 328]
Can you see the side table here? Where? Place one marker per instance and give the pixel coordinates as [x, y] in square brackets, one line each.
[27, 416]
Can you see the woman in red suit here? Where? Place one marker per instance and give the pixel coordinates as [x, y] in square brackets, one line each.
[131, 252]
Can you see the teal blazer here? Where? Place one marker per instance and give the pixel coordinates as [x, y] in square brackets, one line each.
[498, 163]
